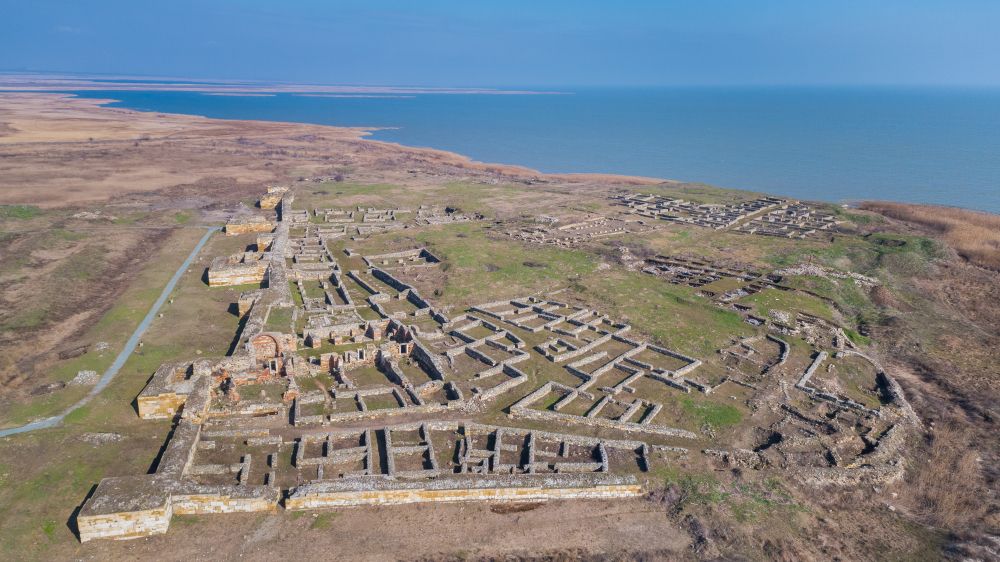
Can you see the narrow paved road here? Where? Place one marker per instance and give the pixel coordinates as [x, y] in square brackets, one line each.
[130, 346]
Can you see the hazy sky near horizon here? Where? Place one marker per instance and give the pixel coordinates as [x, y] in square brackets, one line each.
[513, 42]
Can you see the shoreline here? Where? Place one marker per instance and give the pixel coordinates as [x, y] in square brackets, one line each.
[183, 123]
[28, 82]
[189, 124]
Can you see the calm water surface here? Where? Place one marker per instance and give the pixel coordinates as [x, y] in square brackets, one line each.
[919, 145]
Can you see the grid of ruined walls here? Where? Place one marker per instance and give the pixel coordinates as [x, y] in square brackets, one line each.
[522, 410]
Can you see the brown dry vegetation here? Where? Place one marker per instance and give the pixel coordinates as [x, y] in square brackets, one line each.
[951, 457]
[940, 329]
[974, 235]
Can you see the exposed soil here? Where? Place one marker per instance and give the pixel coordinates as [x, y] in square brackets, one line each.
[627, 529]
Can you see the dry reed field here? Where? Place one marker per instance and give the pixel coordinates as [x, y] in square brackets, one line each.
[974, 235]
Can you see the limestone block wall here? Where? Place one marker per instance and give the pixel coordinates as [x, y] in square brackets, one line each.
[270, 201]
[234, 228]
[160, 406]
[195, 504]
[526, 488]
[237, 274]
[125, 525]
[130, 524]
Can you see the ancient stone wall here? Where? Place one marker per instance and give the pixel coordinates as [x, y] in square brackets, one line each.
[481, 488]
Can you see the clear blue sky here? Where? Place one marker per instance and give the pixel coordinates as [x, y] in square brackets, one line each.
[512, 42]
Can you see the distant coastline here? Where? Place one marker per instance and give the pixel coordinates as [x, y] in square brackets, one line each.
[841, 145]
[26, 82]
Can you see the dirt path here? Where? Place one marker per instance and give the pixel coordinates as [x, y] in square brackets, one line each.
[126, 352]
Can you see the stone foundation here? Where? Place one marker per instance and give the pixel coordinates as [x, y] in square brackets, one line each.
[517, 488]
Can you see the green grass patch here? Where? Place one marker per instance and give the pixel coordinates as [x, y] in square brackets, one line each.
[130, 218]
[186, 520]
[26, 318]
[182, 218]
[551, 401]
[672, 314]
[77, 415]
[478, 265]
[322, 521]
[711, 413]
[279, 320]
[296, 295]
[81, 266]
[67, 235]
[695, 488]
[381, 402]
[861, 219]
[697, 192]
[746, 501]
[857, 338]
[49, 528]
[20, 212]
[775, 299]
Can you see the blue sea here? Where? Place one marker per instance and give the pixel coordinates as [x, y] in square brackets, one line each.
[833, 144]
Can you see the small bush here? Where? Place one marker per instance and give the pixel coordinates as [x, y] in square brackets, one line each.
[857, 338]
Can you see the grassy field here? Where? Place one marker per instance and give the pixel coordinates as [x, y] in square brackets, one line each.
[770, 300]
[479, 267]
[47, 474]
[671, 314]
[114, 328]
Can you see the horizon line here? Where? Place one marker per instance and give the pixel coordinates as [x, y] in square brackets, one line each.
[260, 83]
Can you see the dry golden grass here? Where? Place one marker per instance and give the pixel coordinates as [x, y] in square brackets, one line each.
[974, 235]
[948, 489]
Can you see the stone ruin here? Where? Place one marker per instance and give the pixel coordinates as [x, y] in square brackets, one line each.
[418, 257]
[767, 216]
[574, 233]
[347, 387]
[272, 198]
[432, 214]
[360, 223]
[244, 225]
[791, 220]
